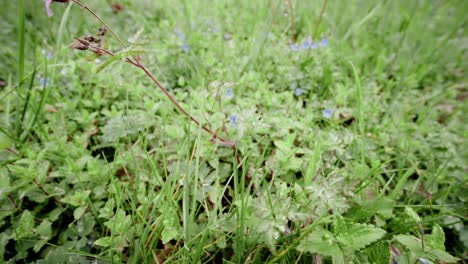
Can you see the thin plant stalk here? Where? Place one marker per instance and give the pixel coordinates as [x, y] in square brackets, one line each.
[322, 12]
[137, 63]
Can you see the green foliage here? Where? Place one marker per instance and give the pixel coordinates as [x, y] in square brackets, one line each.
[344, 242]
[96, 165]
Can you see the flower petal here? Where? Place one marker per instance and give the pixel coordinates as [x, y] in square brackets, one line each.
[47, 5]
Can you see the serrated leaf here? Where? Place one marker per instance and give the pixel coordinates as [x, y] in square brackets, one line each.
[382, 206]
[25, 225]
[322, 242]
[38, 245]
[44, 230]
[120, 127]
[358, 236]
[412, 214]
[411, 242]
[120, 223]
[78, 212]
[441, 255]
[103, 242]
[436, 239]
[378, 253]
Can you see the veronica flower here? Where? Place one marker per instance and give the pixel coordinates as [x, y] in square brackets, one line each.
[44, 82]
[49, 2]
[229, 93]
[323, 42]
[298, 92]
[294, 47]
[233, 120]
[180, 34]
[327, 113]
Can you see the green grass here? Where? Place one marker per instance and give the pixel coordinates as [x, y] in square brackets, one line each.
[97, 163]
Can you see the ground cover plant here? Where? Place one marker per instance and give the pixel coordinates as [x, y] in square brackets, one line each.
[233, 132]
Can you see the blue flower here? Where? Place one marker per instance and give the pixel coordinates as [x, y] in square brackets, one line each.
[229, 93]
[294, 47]
[50, 55]
[233, 120]
[185, 47]
[327, 113]
[44, 82]
[298, 92]
[180, 34]
[307, 44]
[323, 42]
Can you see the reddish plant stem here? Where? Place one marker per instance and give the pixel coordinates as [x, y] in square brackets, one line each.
[137, 63]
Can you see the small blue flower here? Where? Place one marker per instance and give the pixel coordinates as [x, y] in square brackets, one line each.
[327, 113]
[227, 36]
[186, 47]
[307, 44]
[44, 82]
[298, 92]
[180, 34]
[233, 120]
[323, 42]
[50, 55]
[294, 47]
[229, 93]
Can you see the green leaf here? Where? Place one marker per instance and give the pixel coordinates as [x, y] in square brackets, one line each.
[358, 236]
[77, 199]
[322, 242]
[441, 255]
[78, 212]
[25, 225]
[103, 242]
[44, 230]
[378, 253]
[123, 126]
[412, 214]
[411, 242]
[120, 223]
[436, 239]
[382, 206]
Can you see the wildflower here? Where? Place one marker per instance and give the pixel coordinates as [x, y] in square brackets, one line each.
[49, 2]
[227, 36]
[229, 93]
[298, 92]
[50, 55]
[180, 34]
[327, 113]
[294, 47]
[323, 43]
[308, 44]
[185, 47]
[233, 120]
[44, 82]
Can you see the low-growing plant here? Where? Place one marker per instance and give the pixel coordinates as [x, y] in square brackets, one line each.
[324, 151]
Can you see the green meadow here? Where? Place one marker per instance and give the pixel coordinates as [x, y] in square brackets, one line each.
[248, 131]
